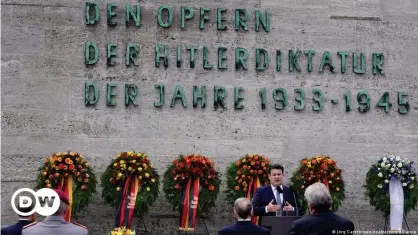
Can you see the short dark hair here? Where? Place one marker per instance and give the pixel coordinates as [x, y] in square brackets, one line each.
[26, 209]
[276, 167]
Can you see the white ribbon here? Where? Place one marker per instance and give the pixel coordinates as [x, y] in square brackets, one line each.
[396, 204]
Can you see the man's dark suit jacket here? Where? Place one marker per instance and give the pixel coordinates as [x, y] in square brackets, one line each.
[263, 197]
[244, 228]
[321, 224]
[15, 229]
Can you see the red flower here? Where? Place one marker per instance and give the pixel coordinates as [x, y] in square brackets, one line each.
[177, 186]
[211, 187]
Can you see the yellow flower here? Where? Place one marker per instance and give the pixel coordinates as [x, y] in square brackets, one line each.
[122, 162]
[58, 153]
[133, 161]
[250, 156]
[115, 164]
[148, 189]
[146, 175]
[309, 164]
[72, 153]
[120, 174]
[130, 154]
[140, 177]
[118, 188]
[130, 169]
[139, 169]
[153, 180]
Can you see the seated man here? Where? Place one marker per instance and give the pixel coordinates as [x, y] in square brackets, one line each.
[242, 212]
[16, 229]
[321, 221]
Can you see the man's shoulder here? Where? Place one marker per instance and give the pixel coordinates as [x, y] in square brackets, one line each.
[342, 220]
[263, 188]
[227, 229]
[77, 228]
[30, 225]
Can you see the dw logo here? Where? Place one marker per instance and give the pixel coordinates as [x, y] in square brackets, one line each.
[46, 201]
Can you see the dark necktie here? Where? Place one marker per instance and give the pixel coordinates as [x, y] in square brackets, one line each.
[279, 191]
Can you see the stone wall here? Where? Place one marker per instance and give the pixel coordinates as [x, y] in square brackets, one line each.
[44, 111]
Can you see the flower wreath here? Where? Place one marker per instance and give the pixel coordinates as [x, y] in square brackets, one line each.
[191, 181]
[62, 170]
[125, 165]
[318, 169]
[245, 175]
[377, 183]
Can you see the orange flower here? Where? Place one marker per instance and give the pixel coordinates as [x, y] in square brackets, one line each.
[71, 167]
[245, 167]
[252, 163]
[256, 157]
[314, 162]
[236, 188]
[237, 163]
[304, 162]
[245, 189]
[260, 172]
[67, 160]
[211, 187]
[243, 160]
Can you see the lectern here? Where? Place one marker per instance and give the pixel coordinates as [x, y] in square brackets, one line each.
[278, 225]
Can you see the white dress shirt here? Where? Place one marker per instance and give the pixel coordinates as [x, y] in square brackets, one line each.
[276, 195]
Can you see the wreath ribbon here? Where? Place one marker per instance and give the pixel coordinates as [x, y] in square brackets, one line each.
[189, 205]
[66, 185]
[126, 208]
[254, 184]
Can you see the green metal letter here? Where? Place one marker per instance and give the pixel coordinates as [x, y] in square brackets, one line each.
[264, 22]
[263, 98]
[282, 99]
[110, 94]
[221, 58]
[219, 93]
[178, 57]
[300, 99]
[258, 65]
[220, 19]
[343, 55]
[203, 17]
[294, 61]
[158, 55]
[356, 68]
[402, 102]
[131, 54]
[326, 60]
[378, 60]
[90, 20]
[278, 60]
[238, 98]
[111, 52]
[191, 57]
[206, 64]
[199, 96]
[241, 56]
[169, 21]
[161, 102]
[186, 14]
[309, 54]
[241, 16]
[178, 94]
[131, 91]
[88, 99]
[88, 58]
[111, 14]
[135, 13]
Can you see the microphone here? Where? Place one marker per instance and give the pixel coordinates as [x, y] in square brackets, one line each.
[296, 203]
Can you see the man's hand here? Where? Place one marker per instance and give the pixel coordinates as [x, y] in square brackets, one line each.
[288, 207]
[272, 208]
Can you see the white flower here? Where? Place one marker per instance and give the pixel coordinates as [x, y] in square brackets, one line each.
[403, 172]
[404, 184]
[411, 186]
[392, 170]
[412, 178]
[379, 186]
[384, 159]
[391, 158]
[383, 164]
[387, 181]
[399, 165]
[380, 174]
[397, 158]
[378, 169]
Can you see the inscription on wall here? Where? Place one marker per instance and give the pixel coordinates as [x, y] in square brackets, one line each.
[265, 58]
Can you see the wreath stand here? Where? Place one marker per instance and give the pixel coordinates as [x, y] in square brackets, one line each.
[386, 226]
[143, 224]
[204, 223]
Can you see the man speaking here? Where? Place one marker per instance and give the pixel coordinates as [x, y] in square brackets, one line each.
[274, 197]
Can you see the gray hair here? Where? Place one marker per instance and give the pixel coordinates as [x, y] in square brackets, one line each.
[318, 196]
[243, 207]
[62, 208]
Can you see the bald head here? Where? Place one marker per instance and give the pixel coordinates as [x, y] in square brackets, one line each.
[243, 208]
